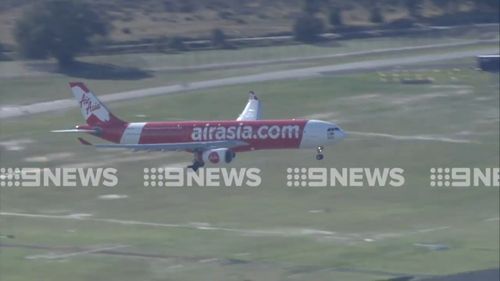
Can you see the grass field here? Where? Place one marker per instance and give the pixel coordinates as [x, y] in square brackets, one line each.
[269, 232]
[21, 79]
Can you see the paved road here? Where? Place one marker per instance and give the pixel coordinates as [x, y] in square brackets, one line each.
[482, 275]
[15, 111]
[322, 57]
[14, 69]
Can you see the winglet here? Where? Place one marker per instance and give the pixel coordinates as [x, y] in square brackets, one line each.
[84, 142]
[252, 96]
[252, 110]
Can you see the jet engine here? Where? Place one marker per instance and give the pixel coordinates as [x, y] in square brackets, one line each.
[217, 156]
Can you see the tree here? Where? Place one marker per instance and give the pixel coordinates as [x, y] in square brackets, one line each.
[492, 5]
[177, 43]
[448, 6]
[311, 6]
[307, 28]
[414, 8]
[58, 28]
[376, 15]
[1, 51]
[335, 17]
[218, 38]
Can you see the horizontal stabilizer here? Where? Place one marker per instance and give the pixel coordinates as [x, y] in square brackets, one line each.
[84, 142]
[75, 131]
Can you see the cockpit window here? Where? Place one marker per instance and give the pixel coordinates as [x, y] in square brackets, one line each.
[330, 132]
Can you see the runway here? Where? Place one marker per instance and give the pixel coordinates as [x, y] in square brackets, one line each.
[62, 104]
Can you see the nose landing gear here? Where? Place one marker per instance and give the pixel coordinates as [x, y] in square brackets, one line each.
[319, 153]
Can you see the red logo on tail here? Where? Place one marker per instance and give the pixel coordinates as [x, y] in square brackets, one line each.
[87, 104]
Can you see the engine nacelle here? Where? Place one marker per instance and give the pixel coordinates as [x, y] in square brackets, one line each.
[219, 155]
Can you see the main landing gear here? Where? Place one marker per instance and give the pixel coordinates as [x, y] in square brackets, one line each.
[197, 162]
[319, 153]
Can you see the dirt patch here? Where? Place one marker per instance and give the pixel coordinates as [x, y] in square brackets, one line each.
[112, 196]
[16, 144]
[49, 157]
[412, 138]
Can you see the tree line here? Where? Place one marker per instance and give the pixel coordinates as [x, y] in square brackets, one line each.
[309, 25]
[65, 28]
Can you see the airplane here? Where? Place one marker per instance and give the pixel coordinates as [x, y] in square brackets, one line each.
[215, 142]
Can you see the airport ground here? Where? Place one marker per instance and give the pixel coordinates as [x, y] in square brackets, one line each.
[271, 232]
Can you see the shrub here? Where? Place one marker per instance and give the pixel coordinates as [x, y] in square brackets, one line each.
[376, 15]
[307, 28]
[177, 43]
[218, 38]
[335, 17]
[1, 51]
[312, 6]
[414, 8]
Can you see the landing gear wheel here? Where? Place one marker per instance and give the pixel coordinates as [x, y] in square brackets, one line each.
[319, 155]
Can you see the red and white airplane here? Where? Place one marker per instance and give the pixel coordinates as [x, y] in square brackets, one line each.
[209, 141]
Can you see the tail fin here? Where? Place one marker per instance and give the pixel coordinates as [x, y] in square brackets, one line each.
[93, 111]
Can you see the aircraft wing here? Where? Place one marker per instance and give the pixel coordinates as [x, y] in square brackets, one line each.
[195, 146]
[252, 110]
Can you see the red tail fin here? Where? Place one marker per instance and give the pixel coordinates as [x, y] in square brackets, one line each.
[94, 111]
